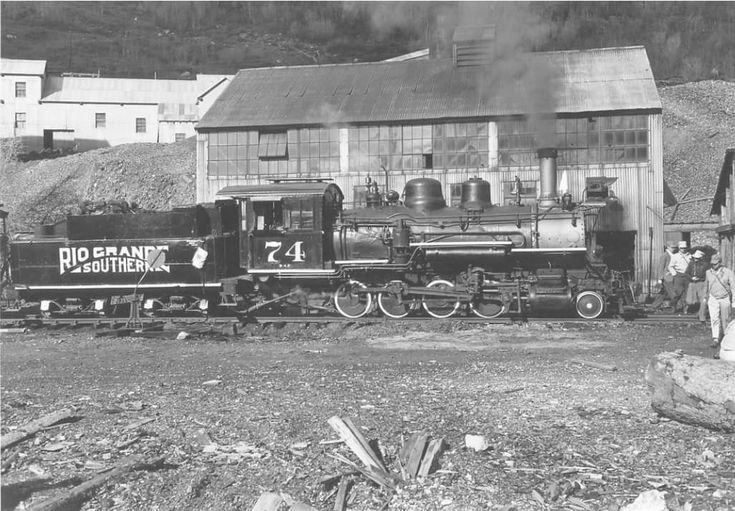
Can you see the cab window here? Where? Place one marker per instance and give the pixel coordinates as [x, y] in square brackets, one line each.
[299, 213]
[268, 215]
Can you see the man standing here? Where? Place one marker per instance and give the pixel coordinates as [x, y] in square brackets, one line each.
[697, 272]
[666, 280]
[720, 288]
[677, 268]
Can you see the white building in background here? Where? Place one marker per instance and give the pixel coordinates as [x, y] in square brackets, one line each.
[87, 112]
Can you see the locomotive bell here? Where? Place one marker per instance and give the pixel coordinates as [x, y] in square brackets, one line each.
[475, 194]
[424, 194]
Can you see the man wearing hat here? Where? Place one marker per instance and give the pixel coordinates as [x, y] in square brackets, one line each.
[720, 289]
[677, 268]
[697, 273]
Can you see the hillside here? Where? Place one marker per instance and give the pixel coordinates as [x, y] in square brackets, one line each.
[155, 176]
[699, 124]
[685, 41]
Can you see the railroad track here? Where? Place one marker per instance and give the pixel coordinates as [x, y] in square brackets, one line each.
[151, 322]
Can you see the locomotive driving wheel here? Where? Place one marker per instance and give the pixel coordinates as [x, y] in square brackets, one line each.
[350, 302]
[393, 304]
[440, 307]
[488, 307]
[590, 305]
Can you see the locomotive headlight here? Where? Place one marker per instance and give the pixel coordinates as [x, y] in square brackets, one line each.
[45, 305]
[148, 304]
[203, 304]
[99, 305]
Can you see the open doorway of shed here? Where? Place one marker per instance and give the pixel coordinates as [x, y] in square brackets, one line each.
[58, 139]
[618, 249]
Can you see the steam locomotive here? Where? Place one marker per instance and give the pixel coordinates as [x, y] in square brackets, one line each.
[292, 245]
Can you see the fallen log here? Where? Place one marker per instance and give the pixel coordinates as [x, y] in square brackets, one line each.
[34, 427]
[693, 390]
[80, 491]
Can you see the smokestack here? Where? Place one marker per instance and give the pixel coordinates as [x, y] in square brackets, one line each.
[547, 165]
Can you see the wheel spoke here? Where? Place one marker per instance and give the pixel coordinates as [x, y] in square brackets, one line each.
[440, 307]
[488, 308]
[351, 303]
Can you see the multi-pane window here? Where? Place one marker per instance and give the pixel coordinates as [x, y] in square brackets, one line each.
[371, 147]
[20, 120]
[20, 89]
[178, 137]
[455, 194]
[273, 145]
[233, 153]
[100, 120]
[313, 151]
[461, 145]
[580, 141]
[140, 124]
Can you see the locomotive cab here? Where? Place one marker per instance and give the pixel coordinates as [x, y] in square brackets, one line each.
[286, 227]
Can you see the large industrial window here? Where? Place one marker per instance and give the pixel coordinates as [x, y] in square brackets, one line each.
[140, 124]
[580, 141]
[20, 120]
[273, 146]
[373, 147]
[100, 120]
[232, 154]
[461, 145]
[313, 151]
[20, 89]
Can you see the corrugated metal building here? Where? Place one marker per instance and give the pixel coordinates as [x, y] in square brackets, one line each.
[723, 205]
[88, 112]
[395, 121]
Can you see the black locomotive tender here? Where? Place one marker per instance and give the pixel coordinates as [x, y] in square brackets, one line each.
[290, 245]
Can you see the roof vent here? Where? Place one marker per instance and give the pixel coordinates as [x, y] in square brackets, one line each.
[473, 45]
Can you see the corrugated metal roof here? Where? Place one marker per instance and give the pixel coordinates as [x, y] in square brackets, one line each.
[586, 81]
[22, 67]
[129, 90]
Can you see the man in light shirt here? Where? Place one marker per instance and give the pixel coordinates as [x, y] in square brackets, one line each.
[677, 268]
[720, 291]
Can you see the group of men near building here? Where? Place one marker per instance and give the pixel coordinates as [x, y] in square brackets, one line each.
[688, 279]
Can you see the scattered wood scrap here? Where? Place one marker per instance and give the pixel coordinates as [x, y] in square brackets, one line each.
[596, 365]
[418, 457]
[81, 491]
[340, 502]
[693, 390]
[357, 443]
[34, 427]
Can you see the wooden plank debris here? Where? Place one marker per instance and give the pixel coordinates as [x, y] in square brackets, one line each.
[381, 477]
[431, 458]
[356, 442]
[340, 502]
[34, 427]
[80, 491]
[415, 448]
[596, 365]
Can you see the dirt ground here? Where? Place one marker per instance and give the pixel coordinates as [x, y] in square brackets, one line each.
[236, 416]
